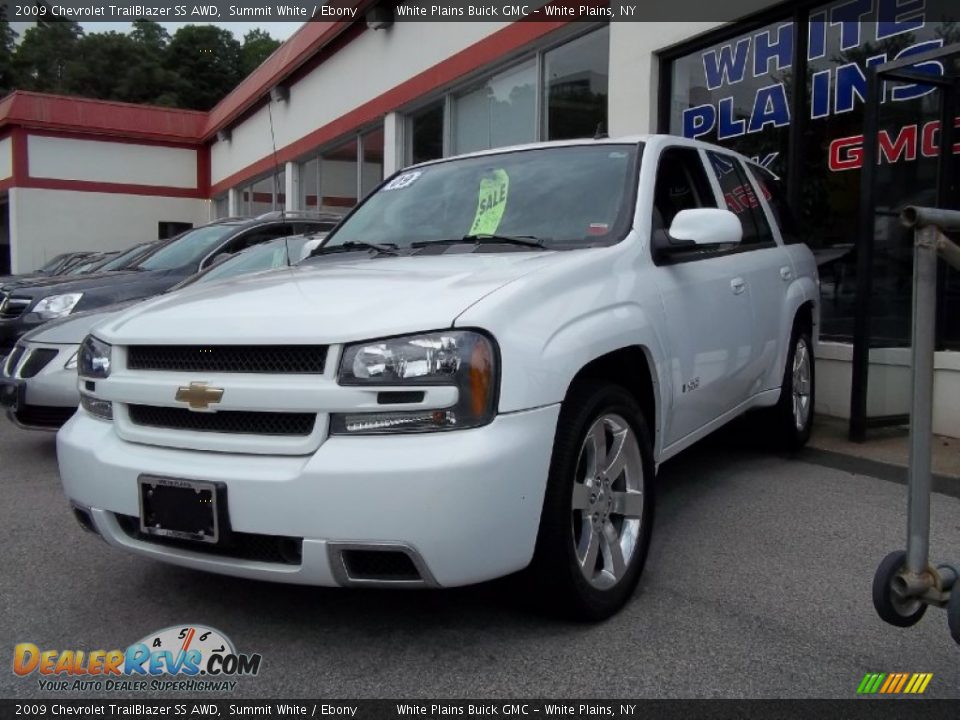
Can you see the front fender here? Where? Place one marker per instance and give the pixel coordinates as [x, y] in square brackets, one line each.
[550, 324]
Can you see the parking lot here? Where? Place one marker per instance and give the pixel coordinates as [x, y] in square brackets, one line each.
[758, 585]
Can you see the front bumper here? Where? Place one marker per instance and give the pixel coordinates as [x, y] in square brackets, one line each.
[465, 503]
[48, 395]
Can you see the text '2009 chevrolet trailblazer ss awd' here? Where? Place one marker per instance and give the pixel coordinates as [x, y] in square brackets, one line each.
[477, 373]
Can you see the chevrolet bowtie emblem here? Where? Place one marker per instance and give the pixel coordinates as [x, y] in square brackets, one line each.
[199, 396]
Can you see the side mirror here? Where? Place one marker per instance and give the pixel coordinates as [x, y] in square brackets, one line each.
[219, 258]
[705, 227]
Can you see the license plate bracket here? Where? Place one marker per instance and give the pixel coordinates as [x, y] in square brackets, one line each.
[178, 509]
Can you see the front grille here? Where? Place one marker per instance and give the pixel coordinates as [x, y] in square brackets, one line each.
[14, 307]
[277, 549]
[274, 359]
[12, 359]
[242, 422]
[36, 361]
[43, 416]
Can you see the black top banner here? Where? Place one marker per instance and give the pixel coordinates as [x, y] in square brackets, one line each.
[88, 11]
[189, 709]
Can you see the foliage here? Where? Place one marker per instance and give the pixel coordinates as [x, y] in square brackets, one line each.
[194, 68]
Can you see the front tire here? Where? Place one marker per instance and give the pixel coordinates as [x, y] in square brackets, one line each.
[598, 509]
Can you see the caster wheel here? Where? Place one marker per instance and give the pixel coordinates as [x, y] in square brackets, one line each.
[890, 606]
[953, 614]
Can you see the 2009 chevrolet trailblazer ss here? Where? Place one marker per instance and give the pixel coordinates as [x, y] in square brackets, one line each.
[477, 373]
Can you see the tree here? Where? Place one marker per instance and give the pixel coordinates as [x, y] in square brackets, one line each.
[7, 45]
[206, 60]
[257, 47]
[98, 62]
[146, 79]
[40, 61]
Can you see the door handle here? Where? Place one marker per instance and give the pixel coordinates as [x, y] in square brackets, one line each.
[786, 273]
[738, 285]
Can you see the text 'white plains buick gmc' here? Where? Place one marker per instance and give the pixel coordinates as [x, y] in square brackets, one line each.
[477, 373]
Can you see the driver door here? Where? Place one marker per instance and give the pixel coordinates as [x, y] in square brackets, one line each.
[706, 302]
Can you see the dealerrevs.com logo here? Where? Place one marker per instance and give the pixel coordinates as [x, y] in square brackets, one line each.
[188, 658]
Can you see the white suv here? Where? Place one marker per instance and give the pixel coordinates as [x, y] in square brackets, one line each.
[477, 373]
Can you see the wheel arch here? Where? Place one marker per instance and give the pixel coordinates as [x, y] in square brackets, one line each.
[633, 368]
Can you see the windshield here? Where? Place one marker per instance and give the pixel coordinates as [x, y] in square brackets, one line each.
[55, 263]
[125, 257]
[570, 196]
[188, 249]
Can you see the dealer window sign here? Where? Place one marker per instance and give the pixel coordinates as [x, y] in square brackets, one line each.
[739, 93]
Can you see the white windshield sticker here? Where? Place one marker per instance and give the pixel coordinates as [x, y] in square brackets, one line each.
[403, 181]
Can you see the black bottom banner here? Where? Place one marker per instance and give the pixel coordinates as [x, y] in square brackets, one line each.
[363, 709]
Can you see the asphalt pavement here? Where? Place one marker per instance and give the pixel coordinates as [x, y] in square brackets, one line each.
[757, 585]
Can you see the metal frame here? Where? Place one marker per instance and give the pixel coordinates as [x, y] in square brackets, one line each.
[896, 71]
[915, 582]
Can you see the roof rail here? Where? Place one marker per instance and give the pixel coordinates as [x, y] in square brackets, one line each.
[310, 214]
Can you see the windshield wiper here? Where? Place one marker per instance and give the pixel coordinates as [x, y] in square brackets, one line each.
[531, 241]
[383, 249]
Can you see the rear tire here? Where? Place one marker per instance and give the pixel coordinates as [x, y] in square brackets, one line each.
[791, 419]
[598, 508]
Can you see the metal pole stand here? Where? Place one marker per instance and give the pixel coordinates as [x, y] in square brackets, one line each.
[906, 583]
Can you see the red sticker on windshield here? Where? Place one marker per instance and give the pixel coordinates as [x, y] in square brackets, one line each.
[598, 229]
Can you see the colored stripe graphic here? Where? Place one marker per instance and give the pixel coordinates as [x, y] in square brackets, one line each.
[894, 683]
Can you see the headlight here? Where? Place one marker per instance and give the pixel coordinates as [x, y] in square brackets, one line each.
[72, 362]
[57, 305]
[464, 359]
[93, 359]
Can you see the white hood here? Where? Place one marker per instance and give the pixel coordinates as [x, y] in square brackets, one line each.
[327, 301]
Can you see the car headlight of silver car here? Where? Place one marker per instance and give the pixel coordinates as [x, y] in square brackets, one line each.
[57, 305]
[93, 360]
[464, 359]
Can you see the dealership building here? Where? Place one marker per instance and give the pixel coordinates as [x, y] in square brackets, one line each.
[342, 104]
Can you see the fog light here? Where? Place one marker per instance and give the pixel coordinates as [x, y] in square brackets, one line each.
[416, 421]
[100, 409]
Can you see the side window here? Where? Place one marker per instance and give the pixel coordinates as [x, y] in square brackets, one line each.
[775, 194]
[257, 236]
[740, 198]
[682, 184]
[306, 228]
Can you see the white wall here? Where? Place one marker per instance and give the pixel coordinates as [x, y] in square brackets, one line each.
[97, 161]
[888, 391]
[6, 158]
[366, 68]
[44, 223]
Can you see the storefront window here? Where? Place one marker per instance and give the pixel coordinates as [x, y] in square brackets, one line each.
[371, 172]
[264, 195]
[221, 207]
[738, 93]
[338, 177]
[500, 112]
[575, 87]
[309, 183]
[426, 134]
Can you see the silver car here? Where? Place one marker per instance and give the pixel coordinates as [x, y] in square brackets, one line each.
[38, 380]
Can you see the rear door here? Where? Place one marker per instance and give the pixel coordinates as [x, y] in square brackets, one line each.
[764, 265]
[706, 303]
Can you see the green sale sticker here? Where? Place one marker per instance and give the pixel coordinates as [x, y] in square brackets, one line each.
[491, 203]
